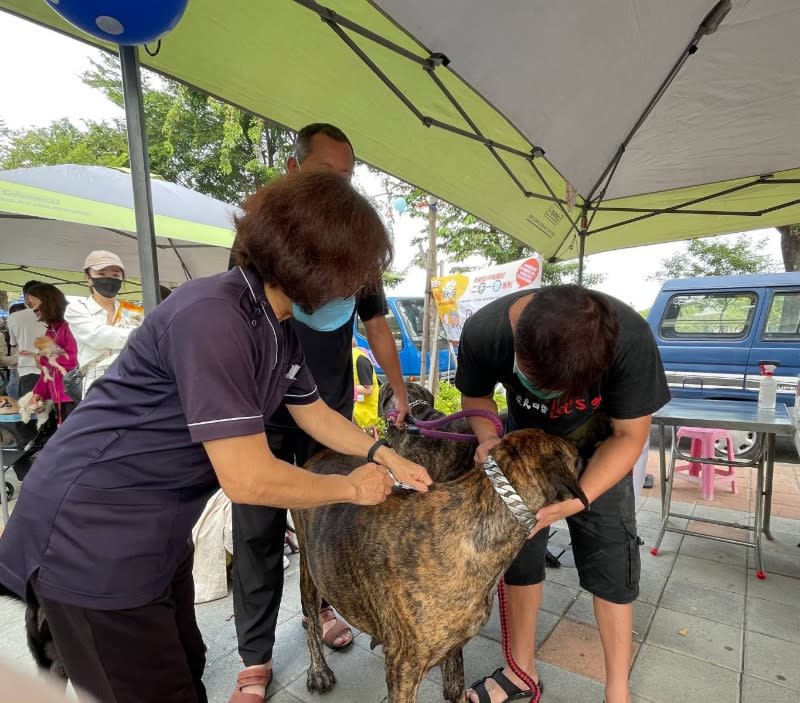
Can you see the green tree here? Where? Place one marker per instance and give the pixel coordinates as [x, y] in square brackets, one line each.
[193, 140]
[197, 141]
[62, 142]
[716, 256]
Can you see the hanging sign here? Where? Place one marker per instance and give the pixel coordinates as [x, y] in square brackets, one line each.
[460, 295]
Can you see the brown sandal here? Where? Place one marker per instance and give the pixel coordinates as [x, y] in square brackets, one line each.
[251, 677]
[339, 628]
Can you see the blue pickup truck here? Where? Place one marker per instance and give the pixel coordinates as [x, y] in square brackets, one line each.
[713, 332]
[405, 320]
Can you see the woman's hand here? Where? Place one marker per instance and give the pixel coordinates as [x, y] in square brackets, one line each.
[372, 484]
[408, 472]
[36, 402]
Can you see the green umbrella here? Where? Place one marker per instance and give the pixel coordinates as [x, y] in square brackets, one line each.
[51, 217]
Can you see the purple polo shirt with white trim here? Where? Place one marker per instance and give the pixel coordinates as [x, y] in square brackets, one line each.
[105, 514]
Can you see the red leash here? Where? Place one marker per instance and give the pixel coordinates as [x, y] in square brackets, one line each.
[529, 682]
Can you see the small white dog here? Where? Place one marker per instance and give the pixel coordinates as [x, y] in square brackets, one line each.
[27, 408]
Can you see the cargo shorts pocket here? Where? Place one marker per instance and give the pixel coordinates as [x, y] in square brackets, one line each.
[634, 557]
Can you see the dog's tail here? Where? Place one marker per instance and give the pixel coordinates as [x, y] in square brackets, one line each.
[40, 639]
[7, 593]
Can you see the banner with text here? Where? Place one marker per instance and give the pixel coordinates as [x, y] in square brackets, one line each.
[459, 295]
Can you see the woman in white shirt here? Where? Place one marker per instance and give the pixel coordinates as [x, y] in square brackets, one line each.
[96, 322]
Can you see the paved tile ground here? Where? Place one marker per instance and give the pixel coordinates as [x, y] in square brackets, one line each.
[705, 628]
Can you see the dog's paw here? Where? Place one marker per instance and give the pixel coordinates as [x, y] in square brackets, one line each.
[320, 679]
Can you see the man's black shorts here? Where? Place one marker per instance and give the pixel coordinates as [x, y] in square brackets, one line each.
[604, 544]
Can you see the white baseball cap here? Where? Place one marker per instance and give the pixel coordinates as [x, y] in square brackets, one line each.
[99, 259]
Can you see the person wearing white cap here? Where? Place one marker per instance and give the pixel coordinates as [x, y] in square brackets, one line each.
[96, 322]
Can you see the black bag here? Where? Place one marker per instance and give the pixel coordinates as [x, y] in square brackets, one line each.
[73, 383]
[74, 379]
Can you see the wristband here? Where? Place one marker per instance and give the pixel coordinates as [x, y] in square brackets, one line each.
[374, 448]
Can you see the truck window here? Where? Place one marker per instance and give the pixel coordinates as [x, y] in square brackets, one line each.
[708, 316]
[393, 326]
[413, 311]
[783, 320]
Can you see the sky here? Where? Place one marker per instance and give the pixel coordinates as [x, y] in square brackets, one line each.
[45, 85]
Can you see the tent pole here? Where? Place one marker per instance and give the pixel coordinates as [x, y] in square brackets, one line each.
[582, 244]
[140, 175]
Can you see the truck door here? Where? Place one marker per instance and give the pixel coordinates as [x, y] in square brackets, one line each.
[778, 339]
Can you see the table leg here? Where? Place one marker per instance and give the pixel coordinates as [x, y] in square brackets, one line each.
[666, 492]
[759, 516]
[662, 463]
[768, 485]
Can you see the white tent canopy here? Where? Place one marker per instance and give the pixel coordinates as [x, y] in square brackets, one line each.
[574, 76]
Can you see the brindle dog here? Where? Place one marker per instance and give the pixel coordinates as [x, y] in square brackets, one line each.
[418, 572]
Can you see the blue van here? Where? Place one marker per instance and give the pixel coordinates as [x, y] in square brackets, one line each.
[713, 332]
[405, 321]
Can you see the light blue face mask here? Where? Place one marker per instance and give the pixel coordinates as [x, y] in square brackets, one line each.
[328, 317]
[531, 388]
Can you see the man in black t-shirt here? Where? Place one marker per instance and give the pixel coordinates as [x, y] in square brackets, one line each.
[584, 366]
[257, 551]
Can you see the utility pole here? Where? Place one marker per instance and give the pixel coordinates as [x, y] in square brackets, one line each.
[427, 363]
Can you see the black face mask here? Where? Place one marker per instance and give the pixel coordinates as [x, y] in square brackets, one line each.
[107, 287]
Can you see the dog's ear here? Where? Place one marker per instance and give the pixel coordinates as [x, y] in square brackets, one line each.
[564, 482]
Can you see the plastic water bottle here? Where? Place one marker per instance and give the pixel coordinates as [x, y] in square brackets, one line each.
[768, 390]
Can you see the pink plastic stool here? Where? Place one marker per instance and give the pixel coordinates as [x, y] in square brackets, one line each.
[704, 447]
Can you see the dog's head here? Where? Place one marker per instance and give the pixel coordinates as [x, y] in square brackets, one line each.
[445, 459]
[420, 400]
[543, 469]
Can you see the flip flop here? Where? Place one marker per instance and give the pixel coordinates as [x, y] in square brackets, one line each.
[339, 627]
[512, 691]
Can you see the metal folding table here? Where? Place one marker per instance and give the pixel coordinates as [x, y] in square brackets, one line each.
[729, 415]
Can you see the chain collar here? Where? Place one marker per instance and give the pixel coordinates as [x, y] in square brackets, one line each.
[521, 512]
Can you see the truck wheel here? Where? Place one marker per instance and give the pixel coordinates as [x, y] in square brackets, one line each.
[744, 445]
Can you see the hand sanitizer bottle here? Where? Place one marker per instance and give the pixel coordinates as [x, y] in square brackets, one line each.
[768, 390]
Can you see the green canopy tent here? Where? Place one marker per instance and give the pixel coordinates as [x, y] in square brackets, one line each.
[51, 217]
[565, 124]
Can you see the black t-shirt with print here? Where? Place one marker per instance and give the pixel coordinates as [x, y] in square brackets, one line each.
[634, 386]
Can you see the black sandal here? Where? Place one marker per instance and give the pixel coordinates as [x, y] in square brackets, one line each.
[514, 693]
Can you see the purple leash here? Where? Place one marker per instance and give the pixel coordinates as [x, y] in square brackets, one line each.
[427, 428]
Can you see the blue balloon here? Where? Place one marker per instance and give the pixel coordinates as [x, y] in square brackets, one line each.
[126, 22]
[400, 204]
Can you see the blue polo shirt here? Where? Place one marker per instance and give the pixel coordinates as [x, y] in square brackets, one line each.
[105, 514]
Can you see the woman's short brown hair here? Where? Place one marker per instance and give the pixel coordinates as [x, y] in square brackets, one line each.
[53, 302]
[314, 236]
[566, 338]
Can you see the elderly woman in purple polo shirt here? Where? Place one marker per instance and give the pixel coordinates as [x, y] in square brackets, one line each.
[100, 535]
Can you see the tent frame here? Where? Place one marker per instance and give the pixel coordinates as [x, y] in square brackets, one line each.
[580, 227]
